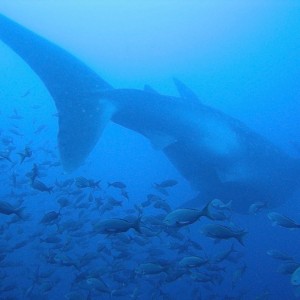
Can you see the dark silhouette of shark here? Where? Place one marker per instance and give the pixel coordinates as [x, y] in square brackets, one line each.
[220, 156]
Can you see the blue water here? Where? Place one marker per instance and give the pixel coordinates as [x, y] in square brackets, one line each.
[239, 57]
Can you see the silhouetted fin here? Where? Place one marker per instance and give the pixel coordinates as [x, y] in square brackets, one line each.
[150, 89]
[73, 86]
[185, 92]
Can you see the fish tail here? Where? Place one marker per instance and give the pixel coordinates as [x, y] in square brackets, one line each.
[137, 224]
[139, 209]
[22, 157]
[8, 158]
[97, 184]
[59, 229]
[206, 211]
[229, 205]
[50, 189]
[20, 213]
[77, 266]
[240, 237]
[57, 226]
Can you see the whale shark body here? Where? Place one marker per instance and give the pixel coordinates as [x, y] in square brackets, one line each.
[219, 155]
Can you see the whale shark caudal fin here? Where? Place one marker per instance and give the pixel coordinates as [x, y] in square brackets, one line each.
[74, 87]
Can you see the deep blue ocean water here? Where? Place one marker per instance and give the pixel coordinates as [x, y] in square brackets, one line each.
[239, 57]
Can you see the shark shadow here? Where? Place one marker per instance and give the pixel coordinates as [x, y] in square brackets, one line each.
[219, 155]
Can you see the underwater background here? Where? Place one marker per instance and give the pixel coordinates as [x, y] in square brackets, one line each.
[241, 57]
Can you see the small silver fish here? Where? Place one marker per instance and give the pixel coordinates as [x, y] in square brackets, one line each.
[276, 254]
[111, 226]
[186, 216]
[8, 209]
[40, 186]
[117, 185]
[221, 232]
[150, 268]
[166, 183]
[283, 221]
[192, 262]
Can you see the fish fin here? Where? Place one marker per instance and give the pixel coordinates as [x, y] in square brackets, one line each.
[137, 224]
[73, 85]
[206, 210]
[20, 213]
[139, 209]
[22, 158]
[150, 89]
[229, 205]
[50, 189]
[240, 237]
[186, 93]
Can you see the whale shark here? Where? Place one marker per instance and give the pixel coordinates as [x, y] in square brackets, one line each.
[219, 155]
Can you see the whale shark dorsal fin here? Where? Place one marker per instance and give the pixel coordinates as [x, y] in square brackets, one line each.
[74, 87]
[185, 92]
[150, 89]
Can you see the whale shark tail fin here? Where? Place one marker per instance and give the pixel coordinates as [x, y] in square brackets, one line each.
[74, 87]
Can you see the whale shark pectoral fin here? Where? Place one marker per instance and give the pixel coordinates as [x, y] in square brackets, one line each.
[186, 93]
[159, 140]
[75, 89]
[79, 131]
